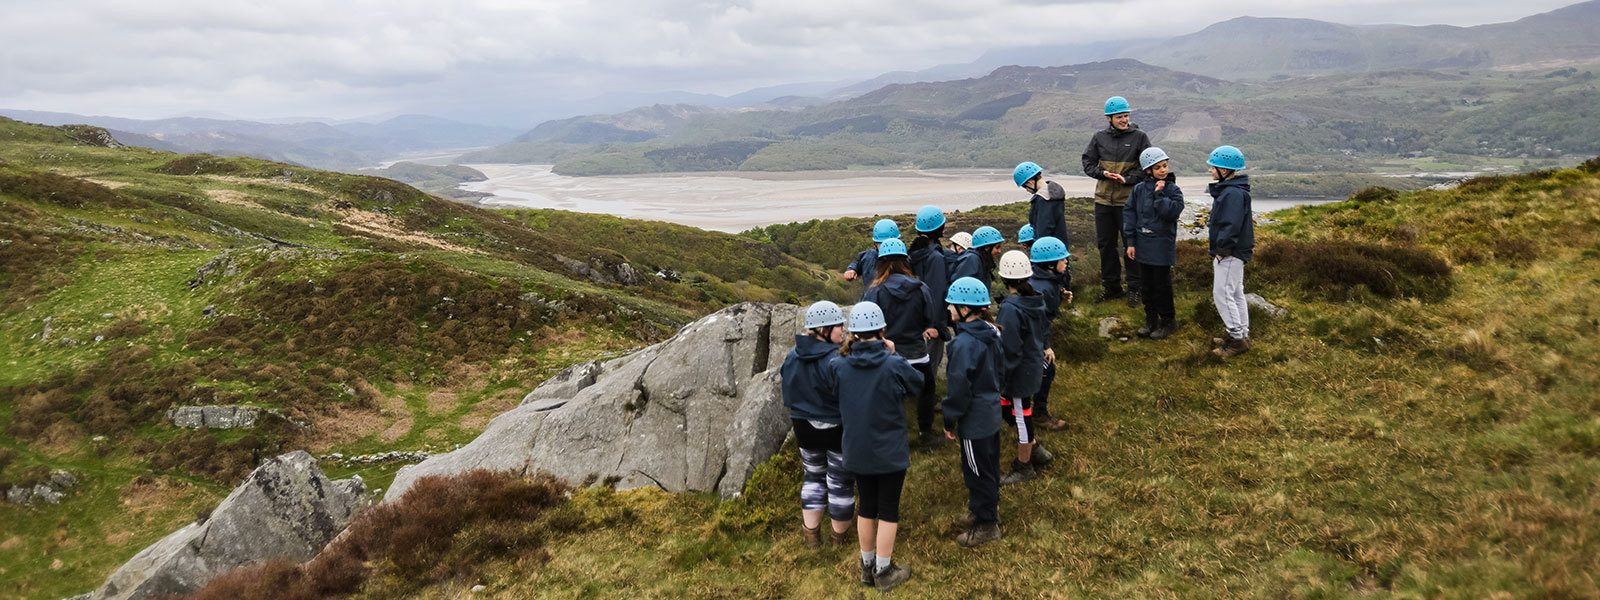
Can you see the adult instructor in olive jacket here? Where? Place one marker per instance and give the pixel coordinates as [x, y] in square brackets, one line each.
[1113, 158]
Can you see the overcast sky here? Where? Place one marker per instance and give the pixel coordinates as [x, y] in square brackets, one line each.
[353, 58]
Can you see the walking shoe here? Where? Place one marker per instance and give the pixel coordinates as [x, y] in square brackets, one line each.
[968, 520]
[840, 538]
[1135, 298]
[1232, 347]
[1168, 326]
[1049, 423]
[979, 535]
[1109, 295]
[890, 576]
[1020, 472]
[932, 441]
[1149, 327]
[868, 570]
[812, 536]
[1041, 457]
[1217, 342]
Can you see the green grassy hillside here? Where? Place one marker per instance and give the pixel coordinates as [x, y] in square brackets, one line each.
[382, 317]
[1423, 423]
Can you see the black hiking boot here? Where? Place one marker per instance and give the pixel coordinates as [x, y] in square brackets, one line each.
[1168, 326]
[1109, 295]
[932, 441]
[1150, 326]
[889, 577]
[867, 571]
[979, 535]
[1135, 298]
[1020, 472]
[1041, 457]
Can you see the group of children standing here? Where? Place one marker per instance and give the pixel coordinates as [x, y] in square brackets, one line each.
[847, 378]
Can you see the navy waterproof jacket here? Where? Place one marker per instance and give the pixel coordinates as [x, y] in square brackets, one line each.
[1232, 231]
[928, 262]
[1150, 221]
[872, 386]
[866, 267]
[1049, 284]
[973, 369]
[908, 310]
[1023, 332]
[965, 264]
[1047, 213]
[804, 392]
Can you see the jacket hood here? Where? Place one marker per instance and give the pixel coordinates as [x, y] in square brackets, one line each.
[1043, 273]
[1114, 132]
[981, 330]
[901, 287]
[1054, 191]
[867, 354]
[1238, 181]
[811, 349]
[1027, 304]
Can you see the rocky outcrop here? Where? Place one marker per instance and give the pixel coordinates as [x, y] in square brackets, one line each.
[285, 509]
[50, 491]
[216, 417]
[696, 412]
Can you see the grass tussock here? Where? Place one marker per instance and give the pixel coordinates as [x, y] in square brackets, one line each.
[1342, 270]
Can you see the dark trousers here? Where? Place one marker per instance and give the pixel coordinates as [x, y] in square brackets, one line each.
[980, 467]
[1157, 283]
[1113, 249]
[1041, 399]
[926, 400]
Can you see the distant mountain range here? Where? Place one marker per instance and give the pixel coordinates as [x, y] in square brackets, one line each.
[343, 146]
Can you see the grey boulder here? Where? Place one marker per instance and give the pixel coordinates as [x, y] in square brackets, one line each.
[286, 509]
[697, 412]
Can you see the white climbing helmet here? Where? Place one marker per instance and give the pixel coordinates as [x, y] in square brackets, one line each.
[865, 316]
[1014, 264]
[962, 239]
[823, 314]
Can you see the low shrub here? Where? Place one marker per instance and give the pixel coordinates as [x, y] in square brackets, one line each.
[444, 528]
[60, 190]
[1341, 270]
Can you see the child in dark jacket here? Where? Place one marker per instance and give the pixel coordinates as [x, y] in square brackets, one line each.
[1024, 332]
[865, 264]
[1150, 224]
[1047, 211]
[1233, 241]
[986, 242]
[1049, 257]
[814, 410]
[972, 406]
[913, 323]
[872, 384]
[962, 260]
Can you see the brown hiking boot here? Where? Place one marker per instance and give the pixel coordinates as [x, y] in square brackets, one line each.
[967, 521]
[1232, 347]
[979, 535]
[890, 576]
[811, 536]
[839, 538]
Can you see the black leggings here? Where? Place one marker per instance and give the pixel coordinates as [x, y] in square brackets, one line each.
[926, 400]
[878, 496]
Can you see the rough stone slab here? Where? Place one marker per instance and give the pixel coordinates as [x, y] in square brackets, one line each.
[696, 412]
[285, 509]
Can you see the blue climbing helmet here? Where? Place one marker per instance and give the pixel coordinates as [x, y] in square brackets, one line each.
[1048, 250]
[1025, 234]
[1227, 157]
[986, 236]
[967, 291]
[1025, 171]
[1117, 105]
[892, 247]
[884, 229]
[865, 316]
[1151, 157]
[823, 314]
[929, 218]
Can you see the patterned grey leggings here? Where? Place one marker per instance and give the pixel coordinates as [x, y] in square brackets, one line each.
[824, 484]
